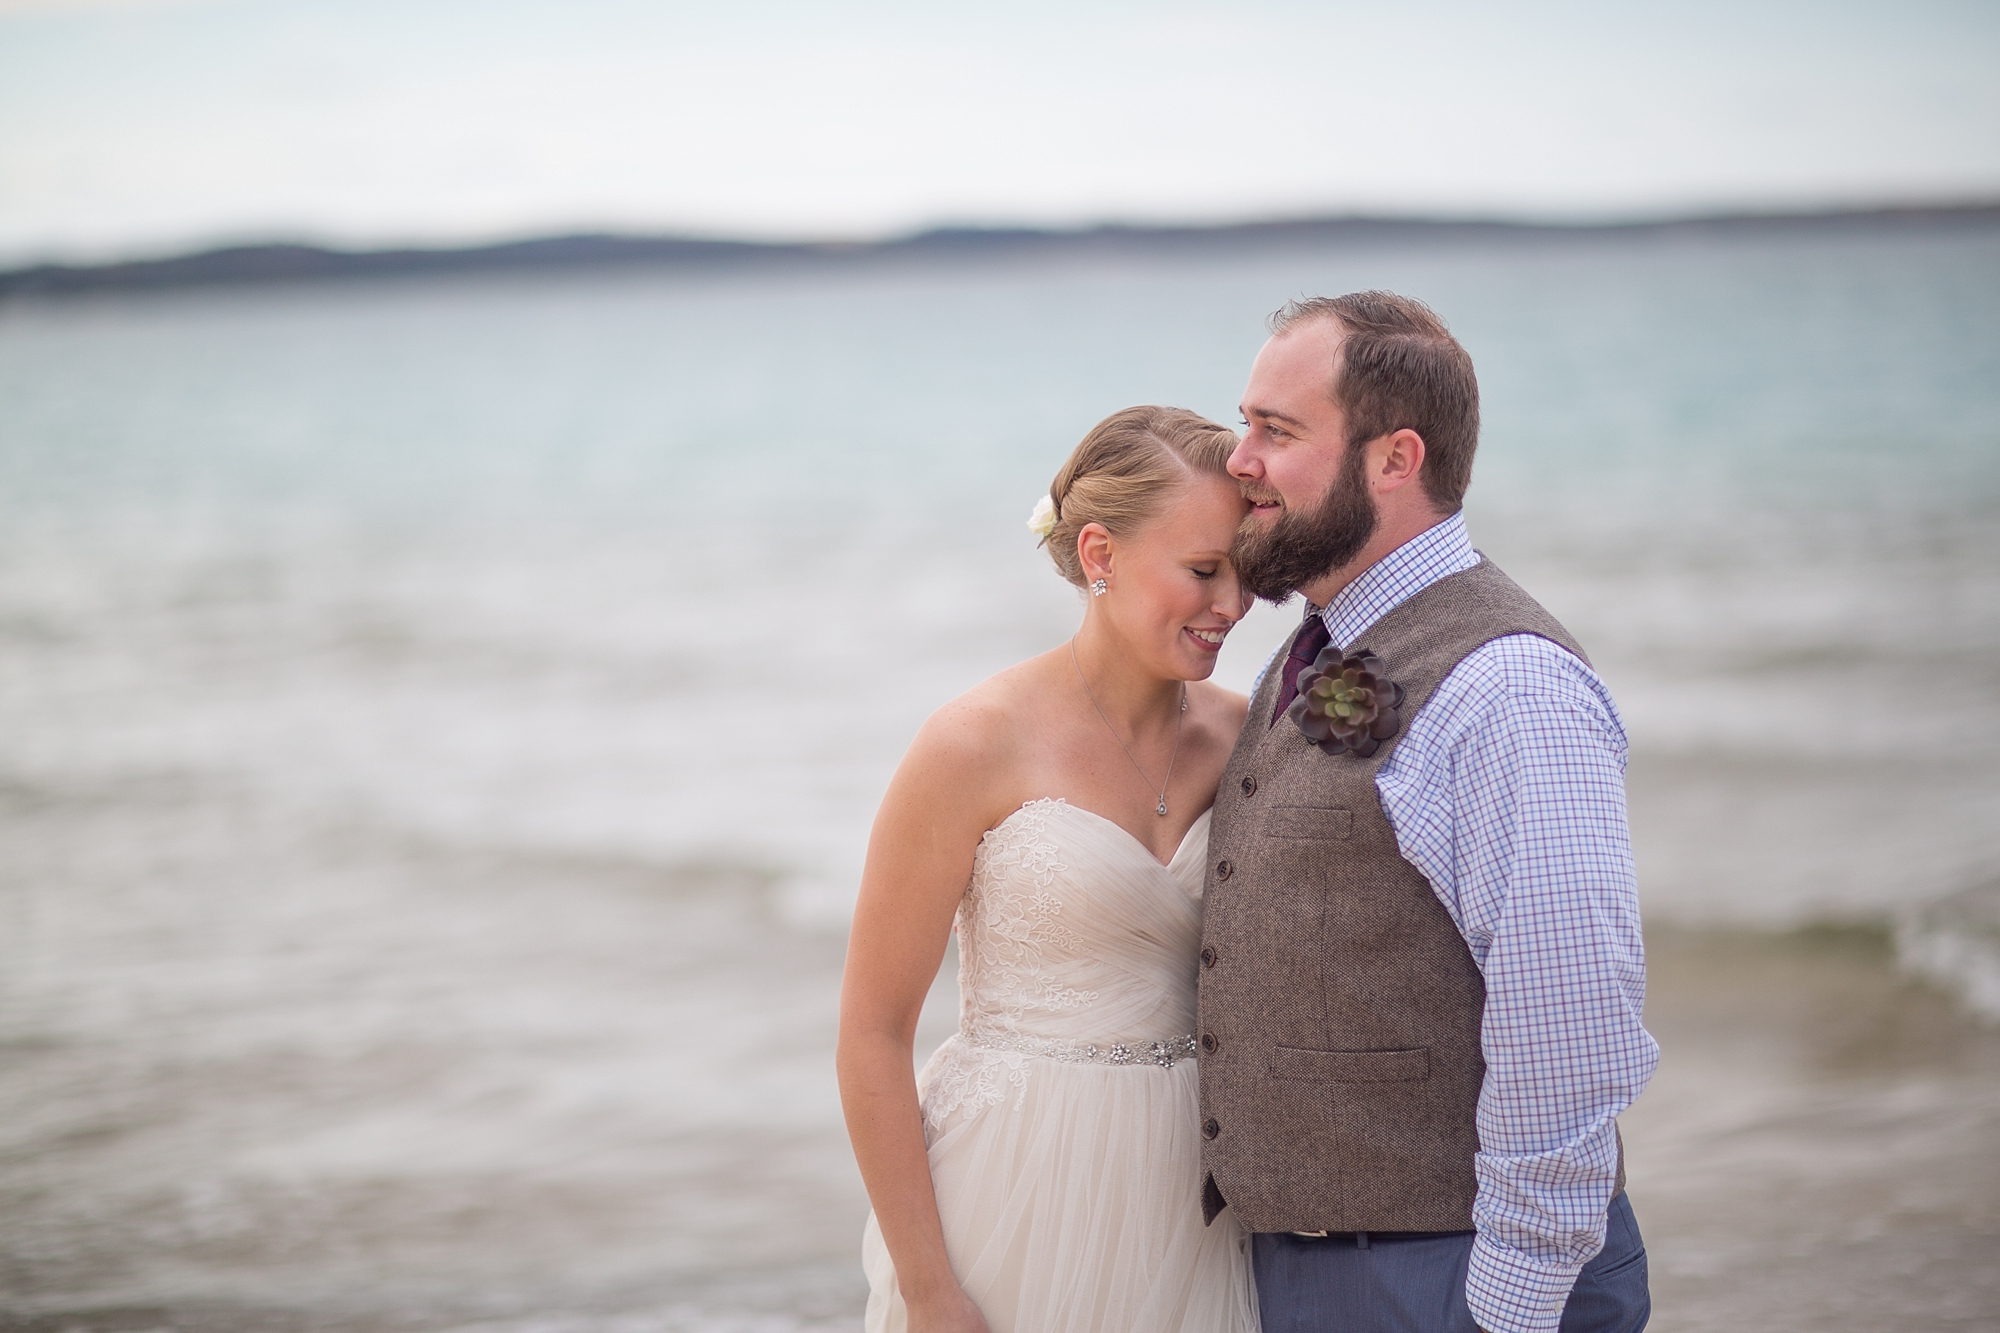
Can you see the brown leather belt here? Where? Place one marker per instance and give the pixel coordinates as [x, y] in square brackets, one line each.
[1362, 1240]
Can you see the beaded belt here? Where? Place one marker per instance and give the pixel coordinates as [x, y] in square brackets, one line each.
[1166, 1054]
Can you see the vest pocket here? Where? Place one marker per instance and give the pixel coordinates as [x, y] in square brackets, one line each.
[1290, 1062]
[1307, 821]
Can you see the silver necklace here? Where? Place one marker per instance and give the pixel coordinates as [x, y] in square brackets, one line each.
[1161, 808]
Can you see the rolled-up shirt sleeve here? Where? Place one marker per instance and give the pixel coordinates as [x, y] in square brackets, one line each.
[1509, 795]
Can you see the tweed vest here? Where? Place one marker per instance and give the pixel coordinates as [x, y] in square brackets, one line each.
[1340, 1008]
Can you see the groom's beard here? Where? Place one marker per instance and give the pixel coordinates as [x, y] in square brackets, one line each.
[1276, 561]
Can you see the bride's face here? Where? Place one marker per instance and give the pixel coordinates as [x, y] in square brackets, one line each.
[1173, 595]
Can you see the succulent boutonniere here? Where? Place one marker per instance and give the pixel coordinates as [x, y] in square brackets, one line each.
[1346, 703]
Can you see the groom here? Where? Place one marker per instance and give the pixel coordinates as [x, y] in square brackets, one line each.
[1421, 970]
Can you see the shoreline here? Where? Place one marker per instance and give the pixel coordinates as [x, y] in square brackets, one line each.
[1820, 1149]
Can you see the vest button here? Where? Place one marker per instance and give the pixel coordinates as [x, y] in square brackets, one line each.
[1249, 786]
[1223, 870]
[1209, 1043]
[1209, 1128]
[1207, 956]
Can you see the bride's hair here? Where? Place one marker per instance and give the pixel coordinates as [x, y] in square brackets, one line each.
[1124, 472]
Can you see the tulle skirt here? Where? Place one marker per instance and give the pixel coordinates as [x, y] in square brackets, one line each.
[1073, 1205]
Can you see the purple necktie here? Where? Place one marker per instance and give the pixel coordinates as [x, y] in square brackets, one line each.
[1312, 637]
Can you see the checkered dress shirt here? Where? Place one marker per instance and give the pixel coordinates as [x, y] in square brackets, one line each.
[1508, 793]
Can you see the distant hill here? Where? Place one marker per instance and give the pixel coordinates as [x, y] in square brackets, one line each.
[240, 265]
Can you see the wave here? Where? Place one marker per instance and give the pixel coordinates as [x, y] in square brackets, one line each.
[1955, 943]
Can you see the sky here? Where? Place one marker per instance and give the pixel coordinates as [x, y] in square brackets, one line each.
[140, 127]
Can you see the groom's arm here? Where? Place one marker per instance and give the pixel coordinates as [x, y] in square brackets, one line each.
[1509, 795]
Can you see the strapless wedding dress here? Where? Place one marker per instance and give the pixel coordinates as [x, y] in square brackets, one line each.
[1063, 1117]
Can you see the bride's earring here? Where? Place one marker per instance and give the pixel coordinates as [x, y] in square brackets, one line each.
[1099, 587]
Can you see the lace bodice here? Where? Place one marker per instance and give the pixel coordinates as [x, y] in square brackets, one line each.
[1074, 944]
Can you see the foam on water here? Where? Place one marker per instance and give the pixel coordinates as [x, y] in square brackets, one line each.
[1956, 943]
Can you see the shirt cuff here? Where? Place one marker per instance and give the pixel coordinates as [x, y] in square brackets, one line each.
[1511, 1293]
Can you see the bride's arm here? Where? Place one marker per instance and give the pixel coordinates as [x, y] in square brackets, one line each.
[938, 805]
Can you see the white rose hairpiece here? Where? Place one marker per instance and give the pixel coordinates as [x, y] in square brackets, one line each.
[1043, 521]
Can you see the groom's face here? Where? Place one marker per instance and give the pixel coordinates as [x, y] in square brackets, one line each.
[1310, 507]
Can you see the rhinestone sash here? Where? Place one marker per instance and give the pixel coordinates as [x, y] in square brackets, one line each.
[1166, 1054]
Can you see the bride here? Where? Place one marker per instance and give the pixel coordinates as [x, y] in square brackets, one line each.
[1042, 1174]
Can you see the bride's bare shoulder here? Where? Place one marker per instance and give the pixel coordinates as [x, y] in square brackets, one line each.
[985, 724]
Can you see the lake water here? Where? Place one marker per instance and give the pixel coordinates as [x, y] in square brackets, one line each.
[439, 722]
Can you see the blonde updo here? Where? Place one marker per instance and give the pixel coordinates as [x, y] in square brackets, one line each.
[1124, 472]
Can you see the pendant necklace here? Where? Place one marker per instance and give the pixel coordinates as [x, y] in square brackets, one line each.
[1161, 808]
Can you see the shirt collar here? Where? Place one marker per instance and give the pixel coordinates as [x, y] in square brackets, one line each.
[1432, 554]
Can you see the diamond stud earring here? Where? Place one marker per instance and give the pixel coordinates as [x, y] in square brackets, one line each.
[1099, 587]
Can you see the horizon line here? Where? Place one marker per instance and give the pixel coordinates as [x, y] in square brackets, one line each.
[277, 260]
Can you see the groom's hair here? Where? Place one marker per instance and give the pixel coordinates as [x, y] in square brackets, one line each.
[1399, 368]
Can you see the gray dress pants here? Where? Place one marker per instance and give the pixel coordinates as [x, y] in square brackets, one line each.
[1395, 1283]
